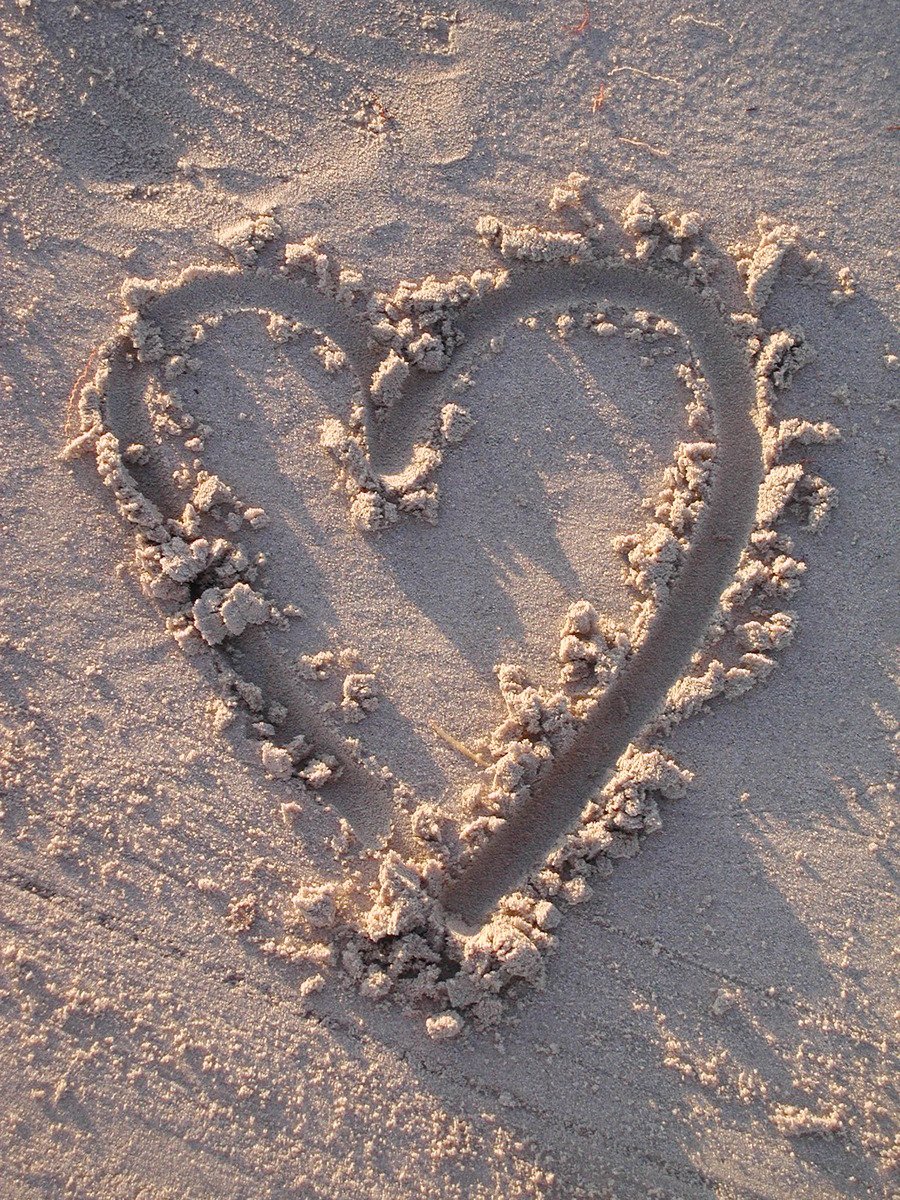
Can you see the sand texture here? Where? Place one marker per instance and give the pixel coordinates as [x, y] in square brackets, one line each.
[448, 601]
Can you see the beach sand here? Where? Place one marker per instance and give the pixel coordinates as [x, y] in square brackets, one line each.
[383, 388]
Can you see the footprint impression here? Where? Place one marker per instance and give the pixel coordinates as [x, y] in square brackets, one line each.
[451, 903]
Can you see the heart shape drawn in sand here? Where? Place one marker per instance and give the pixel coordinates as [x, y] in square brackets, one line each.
[461, 911]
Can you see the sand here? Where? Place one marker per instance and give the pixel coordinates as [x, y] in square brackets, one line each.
[447, 693]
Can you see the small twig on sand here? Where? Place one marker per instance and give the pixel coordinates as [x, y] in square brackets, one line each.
[647, 75]
[717, 25]
[597, 102]
[645, 146]
[74, 394]
[584, 24]
[459, 746]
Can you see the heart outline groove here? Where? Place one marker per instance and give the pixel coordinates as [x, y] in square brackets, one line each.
[473, 895]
